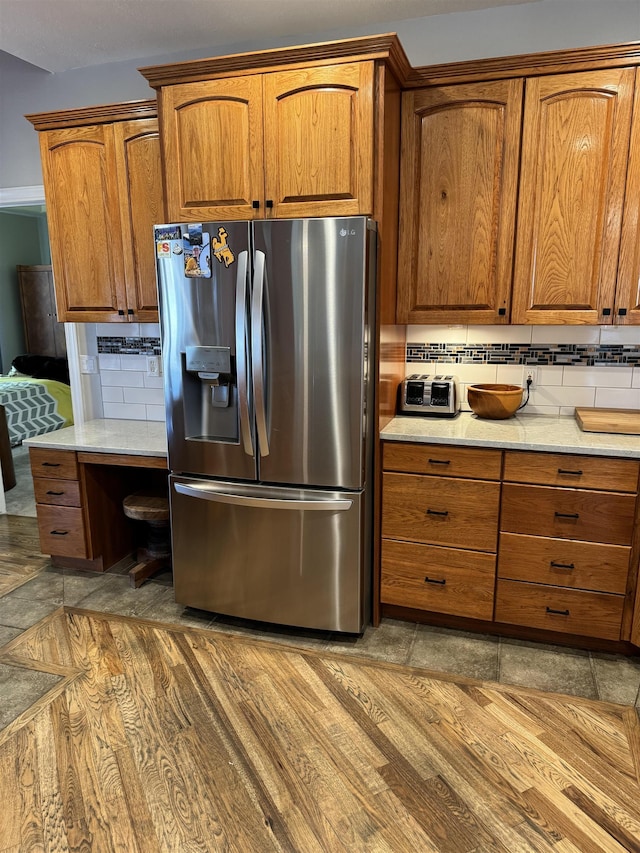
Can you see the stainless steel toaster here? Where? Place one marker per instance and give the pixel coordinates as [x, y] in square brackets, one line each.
[429, 394]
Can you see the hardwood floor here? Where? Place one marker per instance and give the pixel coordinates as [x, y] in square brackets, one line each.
[161, 739]
[20, 556]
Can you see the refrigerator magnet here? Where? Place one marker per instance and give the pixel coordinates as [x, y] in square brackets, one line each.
[197, 258]
[221, 251]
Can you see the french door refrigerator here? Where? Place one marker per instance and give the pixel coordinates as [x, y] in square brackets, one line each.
[267, 344]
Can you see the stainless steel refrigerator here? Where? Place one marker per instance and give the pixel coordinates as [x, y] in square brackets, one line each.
[267, 346]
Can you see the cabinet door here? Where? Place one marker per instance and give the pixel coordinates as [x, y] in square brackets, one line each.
[628, 289]
[460, 148]
[141, 207]
[43, 333]
[79, 173]
[212, 145]
[319, 141]
[574, 159]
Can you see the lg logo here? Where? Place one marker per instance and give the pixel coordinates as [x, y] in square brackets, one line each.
[345, 232]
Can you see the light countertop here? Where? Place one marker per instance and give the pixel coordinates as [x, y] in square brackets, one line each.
[521, 432]
[134, 438]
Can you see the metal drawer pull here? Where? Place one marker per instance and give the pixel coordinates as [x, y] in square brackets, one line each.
[558, 612]
[567, 514]
[555, 565]
[439, 462]
[51, 464]
[59, 532]
[437, 512]
[433, 580]
[54, 493]
[567, 471]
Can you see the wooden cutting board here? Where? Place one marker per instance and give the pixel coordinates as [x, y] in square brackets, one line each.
[625, 421]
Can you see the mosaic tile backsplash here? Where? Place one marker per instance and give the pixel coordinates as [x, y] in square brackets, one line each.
[129, 346]
[586, 354]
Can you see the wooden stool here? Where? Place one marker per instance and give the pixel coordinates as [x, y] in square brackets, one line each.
[153, 509]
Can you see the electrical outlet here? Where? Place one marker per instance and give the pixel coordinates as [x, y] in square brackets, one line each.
[153, 365]
[532, 374]
[88, 364]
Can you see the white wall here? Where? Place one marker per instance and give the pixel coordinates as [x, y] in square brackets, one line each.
[530, 27]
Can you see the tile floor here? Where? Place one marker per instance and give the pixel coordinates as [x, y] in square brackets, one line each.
[613, 678]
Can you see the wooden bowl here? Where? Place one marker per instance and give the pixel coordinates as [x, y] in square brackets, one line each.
[494, 401]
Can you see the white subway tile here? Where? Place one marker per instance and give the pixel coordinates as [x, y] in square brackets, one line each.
[125, 378]
[620, 334]
[568, 411]
[155, 413]
[565, 334]
[422, 367]
[149, 330]
[131, 330]
[473, 374]
[152, 381]
[153, 396]
[549, 374]
[601, 377]
[109, 361]
[512, 374]
[133, 362]
[635, 378]
[499, 334]
[618, 398]
[112, 394]
[110, 330]
[531, 409]
[562, 395]
[436, 334]
[131, 412]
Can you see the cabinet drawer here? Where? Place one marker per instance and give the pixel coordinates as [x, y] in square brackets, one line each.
[440, 511]
[561, 562]
[58, 492]
[571, 611]
[559, 469]
[568, 513]
[444, 580]
[53, 463]
[62, 531]
[442, 460]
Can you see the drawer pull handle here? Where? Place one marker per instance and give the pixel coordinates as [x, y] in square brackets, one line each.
[555, 565]
[437, 512]
[439, 462]
[567, 514]
[50, 492]
[434, 580]
[568, 471]
[59, 532]
[558, 612]
[51, 464]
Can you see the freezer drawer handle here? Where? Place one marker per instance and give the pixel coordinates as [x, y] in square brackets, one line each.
[241, 352]
[433, 580]
[263, 503]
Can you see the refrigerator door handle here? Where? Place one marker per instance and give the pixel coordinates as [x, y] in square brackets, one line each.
[257, 354]
[241, 352]
[205, 493]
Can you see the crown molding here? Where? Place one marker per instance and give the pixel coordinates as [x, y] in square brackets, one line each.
[102, 114]
[21, 196]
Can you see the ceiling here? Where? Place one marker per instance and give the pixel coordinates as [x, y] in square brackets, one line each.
[57, 35]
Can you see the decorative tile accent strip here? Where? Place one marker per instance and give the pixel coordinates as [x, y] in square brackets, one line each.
[129, 346]
[586, 355]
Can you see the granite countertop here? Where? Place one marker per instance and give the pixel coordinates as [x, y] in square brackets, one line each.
[521, 432]
[134, 438]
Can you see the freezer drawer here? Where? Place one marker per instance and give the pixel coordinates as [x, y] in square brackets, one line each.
[284, 555]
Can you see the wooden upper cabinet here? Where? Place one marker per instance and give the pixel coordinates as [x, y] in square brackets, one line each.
[137, 146]
[103, 190]
[572, 187]
[79, 171]
[628, 290]
[318, 128]
[287, 143]
[459, 173]
[212, 140]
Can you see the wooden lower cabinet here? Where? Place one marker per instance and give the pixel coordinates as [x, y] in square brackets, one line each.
[541, 541]
[79, 506]
[570, 611]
